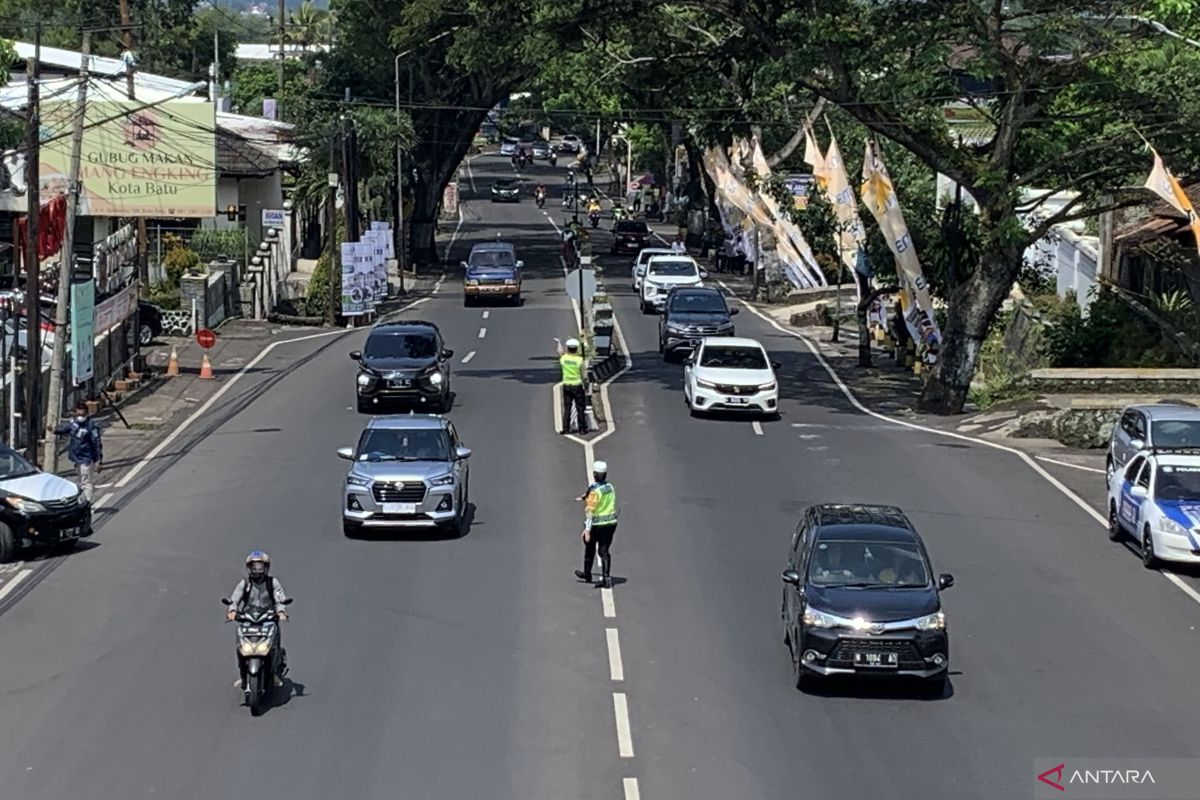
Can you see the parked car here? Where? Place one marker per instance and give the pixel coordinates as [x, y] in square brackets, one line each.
[689, 315]
[407, 472]
[508, 146]
[38, 508]
[1151, 425]
[664, 273]
[150, 322]
[571, 143]
[643, 258]
[492, 270]
[859, 598]
[506, 191]
[731, 374]
[630, 236]
[1155, 500]
[403, 362]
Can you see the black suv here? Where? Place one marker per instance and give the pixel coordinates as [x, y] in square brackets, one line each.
[403, 362]
[860, 597]
[689, 314]
[630, 236]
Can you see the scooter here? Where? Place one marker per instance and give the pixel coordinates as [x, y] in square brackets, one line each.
[259, 661]
[540, 197]
[553, 158]
[594, 217]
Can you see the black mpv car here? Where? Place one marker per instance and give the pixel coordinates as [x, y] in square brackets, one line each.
[690, 314]
[860, 598]
[404, 362]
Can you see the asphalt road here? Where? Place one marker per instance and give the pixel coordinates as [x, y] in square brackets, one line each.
[478, 667]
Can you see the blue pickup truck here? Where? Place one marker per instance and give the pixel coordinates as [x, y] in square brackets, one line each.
[492, 270]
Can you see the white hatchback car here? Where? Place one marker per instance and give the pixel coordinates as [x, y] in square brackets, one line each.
[664, 273]
[728, 373]
[643, 258]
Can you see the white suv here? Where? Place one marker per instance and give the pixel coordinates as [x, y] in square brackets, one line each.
[664, 273]
[643, 258]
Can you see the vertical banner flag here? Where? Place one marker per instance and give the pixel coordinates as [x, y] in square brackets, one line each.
[790, 245]
[1164, 184]
[352, 293]
[879, 195]
[83, 331]
[841, 194]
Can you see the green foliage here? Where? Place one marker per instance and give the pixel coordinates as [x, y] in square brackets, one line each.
[209, 243]
[254, 82]
[179, 261]
[165, 295]
[1110, 335]
[328, 269]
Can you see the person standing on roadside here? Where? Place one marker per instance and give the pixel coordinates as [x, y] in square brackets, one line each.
[574, 368]
[85, 447]
[599, 525]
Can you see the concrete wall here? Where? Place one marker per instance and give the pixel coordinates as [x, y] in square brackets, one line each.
[253, 193]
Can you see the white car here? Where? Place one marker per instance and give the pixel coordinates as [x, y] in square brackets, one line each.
[728, 373]
[664, 273]
[571, 143]
[1156, 500]
[643, 258]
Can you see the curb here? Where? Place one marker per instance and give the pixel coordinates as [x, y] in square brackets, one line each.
[603, 370]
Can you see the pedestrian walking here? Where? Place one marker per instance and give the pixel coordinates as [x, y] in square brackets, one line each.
[637, 201]
[574, 367]
[599, 525]
[85, 447]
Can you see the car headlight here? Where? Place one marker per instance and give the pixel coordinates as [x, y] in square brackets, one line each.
[24, 504]
[651, 288]
[705, 384]
[674, 328]
[436, 379]
[364, 379]
[819, 619]
[933, 622]
[1172, 527]
[510, 282]
[445, 480]
[472, 282]
[357, 480]
[767, 387]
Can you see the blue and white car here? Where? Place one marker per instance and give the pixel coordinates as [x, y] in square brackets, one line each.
[1155, 500]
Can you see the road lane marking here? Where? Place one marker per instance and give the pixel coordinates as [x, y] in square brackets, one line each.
[610, 606]
[624, 736]
[757, 427]
[1029, 461]
[486, 314]
[482, 332]
[616, 669]
[468, 357]
[104, 498]
[1065, 464]
[13, 582]
[631, 789]
[437, 287]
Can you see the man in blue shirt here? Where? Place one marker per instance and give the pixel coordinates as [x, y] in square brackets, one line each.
[85, 448]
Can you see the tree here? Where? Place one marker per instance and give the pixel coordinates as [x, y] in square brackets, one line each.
[1065, 87]
[309, 25]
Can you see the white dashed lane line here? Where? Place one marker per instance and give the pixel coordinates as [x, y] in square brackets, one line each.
[615, 667]
[624, 737]
[610, 607]
[486, 314]
[757, 426]
[13, 582]
[482, 332]
[631, 789]
[468, 357]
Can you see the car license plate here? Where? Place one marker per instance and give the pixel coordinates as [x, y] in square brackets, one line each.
[399, 508]
[737, 401]
[399, 383]
[881, 660]
[69, 533]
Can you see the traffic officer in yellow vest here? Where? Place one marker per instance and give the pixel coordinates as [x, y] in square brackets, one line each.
[599, 524]
[574, 369]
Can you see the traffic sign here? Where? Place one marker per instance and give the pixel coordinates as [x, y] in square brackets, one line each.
[581, 284]
[272, 217]
[206, 338]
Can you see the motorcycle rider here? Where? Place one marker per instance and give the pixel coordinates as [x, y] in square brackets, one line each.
[539, 192]
[259, 591]
[593, 210]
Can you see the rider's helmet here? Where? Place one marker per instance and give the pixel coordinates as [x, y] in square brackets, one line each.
[600, 470]
[572, 345]
[258, 565]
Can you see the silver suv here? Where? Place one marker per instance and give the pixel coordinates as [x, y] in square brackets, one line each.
[409, 471]
[1151, 425]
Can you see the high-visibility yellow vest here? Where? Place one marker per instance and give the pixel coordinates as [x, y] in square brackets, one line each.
[572, 369]
[605, 512]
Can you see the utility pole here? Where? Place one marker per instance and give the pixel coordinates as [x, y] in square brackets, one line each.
[33, 277]
[130, 67]
[350, 175]
[331, 225]
[66, 269]
[282, 35]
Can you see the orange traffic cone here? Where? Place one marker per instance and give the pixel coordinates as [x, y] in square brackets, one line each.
[206, 372]
[173, 364]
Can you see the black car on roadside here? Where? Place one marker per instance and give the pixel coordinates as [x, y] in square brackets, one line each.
[689, 314]
[149, 322]
[630, 236]
[860, 598]
[404, 362]
[506, 191]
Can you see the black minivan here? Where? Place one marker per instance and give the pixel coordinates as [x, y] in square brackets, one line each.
[404, 362]
[860, 598]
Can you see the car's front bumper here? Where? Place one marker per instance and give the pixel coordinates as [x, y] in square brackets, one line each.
[760, 402]
[675, 342]
[435, 508]
[417, 392]
[918, 654]
[506, 198]
[51, 527]
[492, 290]
[1174, 547]
[626, 246]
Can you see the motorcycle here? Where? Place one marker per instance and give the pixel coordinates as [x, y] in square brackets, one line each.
[594, 217]
[553, 158]
[540, 197]
[259, 661]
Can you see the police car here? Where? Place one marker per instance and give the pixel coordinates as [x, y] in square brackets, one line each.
[1155, 499]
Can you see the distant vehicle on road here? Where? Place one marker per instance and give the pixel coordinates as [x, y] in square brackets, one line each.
[664, 273]
[506, 191]
[630, 236]
[508, 146]
[731, 374]
[492, 270]
[859, 598]
[1151, 425]
[571, 143]
[1155, 499]
[542, 150]
[643, 258]
[404, 362]
[408, 471]
[38, 508]
[150, 322]
[691, 314]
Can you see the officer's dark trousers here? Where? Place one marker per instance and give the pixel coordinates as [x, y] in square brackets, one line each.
[574, 395]
[601, 539]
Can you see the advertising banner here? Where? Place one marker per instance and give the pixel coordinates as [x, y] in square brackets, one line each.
[137, 162]
[116, 309]
[353, 296]
[83, 331]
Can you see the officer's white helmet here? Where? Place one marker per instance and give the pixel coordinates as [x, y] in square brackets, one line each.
[600, 467]
[572, 344]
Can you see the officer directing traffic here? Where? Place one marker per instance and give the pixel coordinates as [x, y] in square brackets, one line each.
[574, 367]
[599, 524]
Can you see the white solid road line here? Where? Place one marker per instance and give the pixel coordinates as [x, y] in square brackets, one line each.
[610, 606]
[1029, 461]
[631, 789]
[13, 582]
[482, 332]
[104, 498]
[486, 314]
[757, 426]
[1065, 464]
[616, 669]
[624, 737]
[437, 287]
[468, 357]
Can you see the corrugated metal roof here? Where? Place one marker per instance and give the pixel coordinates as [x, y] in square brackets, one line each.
[71, 60]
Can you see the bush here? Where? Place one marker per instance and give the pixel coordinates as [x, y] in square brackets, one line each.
[210, 243]
[1111, 335]
[178, 262]
[316, 300]
[165, 295]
